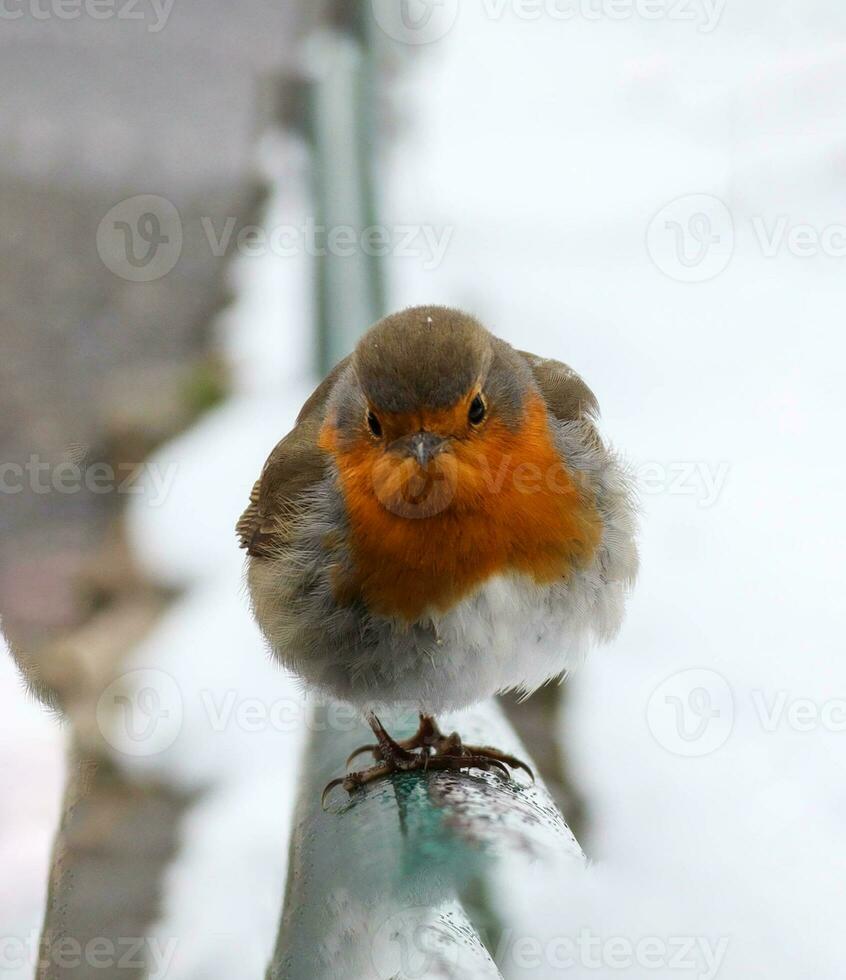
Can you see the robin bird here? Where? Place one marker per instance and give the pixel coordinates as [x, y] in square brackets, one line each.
[442, 524]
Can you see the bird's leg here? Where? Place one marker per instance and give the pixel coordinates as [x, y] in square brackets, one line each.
[431, 741]
[427, 749]
[392, 757]
[428, 736]
[388, 750]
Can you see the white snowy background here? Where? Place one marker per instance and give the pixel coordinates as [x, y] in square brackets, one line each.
[709, 740]
[549, 147]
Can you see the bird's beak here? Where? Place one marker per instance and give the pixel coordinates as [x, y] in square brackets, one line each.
[423, 446]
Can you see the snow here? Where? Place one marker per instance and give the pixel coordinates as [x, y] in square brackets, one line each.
[550, 147]
[32, 761]
[239, 720]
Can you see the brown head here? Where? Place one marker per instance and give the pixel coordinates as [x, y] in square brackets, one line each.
[427, 391]
[437, 430]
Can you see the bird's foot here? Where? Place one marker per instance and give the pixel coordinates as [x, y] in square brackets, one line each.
[427, 738]
[427, 750]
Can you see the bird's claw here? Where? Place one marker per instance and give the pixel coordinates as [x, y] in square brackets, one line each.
[428, 749]
[374, 749]
[328, 789]
[489, 753]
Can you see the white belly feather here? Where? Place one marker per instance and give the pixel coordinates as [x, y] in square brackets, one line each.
[512, 634]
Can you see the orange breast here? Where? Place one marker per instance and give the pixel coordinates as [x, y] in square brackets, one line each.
[504, 501]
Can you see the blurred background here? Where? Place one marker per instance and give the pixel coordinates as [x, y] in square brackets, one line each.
[202, 206]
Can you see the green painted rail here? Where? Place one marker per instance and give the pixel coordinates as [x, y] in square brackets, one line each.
[401, 881]
[349, 280]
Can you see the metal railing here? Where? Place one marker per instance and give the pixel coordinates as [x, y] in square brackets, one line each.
[341, 131]
[403, 881]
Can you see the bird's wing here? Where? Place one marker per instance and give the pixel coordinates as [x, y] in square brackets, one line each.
[295, 465]
[566, 395]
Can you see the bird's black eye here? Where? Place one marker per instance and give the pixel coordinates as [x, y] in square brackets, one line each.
[477, 411]
[374, 425]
